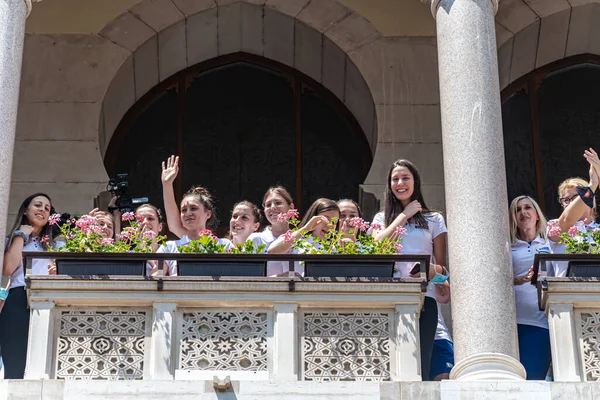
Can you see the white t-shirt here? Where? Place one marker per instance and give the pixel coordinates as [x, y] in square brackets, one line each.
[172, 247]
[526, 296]
[441, 332]
[274, 268]
[38, 266]
[559, 268]
[417, 241]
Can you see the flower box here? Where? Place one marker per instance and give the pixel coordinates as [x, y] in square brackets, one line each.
[100, 267]
[348, 269]
[221, 268]
[584, 269]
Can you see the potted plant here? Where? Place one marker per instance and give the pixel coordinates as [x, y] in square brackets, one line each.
[85, 235]
[578, 241]
[208, 243]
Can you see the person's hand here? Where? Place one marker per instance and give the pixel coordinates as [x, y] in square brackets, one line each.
[412, 208]
[26, 229]
[318, 221]
[51, 269]
[593, 178]
[94, 212]
[592, 157]
[520, 280]
[170, 170]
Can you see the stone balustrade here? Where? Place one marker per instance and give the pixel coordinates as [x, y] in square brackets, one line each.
[241, 328]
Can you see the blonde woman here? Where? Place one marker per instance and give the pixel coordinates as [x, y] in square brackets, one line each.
[528, 237]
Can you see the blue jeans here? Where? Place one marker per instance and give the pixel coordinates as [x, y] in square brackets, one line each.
[534, 351]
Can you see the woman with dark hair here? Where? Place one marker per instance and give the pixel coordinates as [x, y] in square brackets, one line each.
[425, 234]
[349, 209]
[317, 222]
[244, 222]
[30, 232]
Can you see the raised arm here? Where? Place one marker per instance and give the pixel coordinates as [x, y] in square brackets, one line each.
[411, 209]
[169, 173]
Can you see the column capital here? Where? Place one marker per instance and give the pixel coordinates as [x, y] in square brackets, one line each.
[436, 3]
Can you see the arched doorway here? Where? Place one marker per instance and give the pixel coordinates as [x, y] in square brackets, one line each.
[550, 117]
[242, 123]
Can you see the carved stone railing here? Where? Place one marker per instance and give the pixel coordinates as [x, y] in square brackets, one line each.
[572, 305]
[243, 328]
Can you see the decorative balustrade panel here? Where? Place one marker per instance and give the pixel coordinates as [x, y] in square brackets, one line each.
[101, 345]
[342, 346]
[590, 342]
[224, 341]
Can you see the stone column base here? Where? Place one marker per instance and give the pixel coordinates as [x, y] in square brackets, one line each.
[488, 367]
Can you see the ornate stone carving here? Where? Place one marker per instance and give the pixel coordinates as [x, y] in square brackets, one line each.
[101, 345]
[590, 338]
[224, 341]
[340, 346]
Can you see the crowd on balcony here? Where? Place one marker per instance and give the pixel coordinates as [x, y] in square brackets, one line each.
[405, 211]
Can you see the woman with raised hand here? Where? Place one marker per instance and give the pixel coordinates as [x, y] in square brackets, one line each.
[425, 234]
[31, 231]
[578, 212]
[528, 237]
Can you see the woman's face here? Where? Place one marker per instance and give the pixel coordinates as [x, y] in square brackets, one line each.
[402, 183]
[242, 223]
[38, 212]
[347, 211]
[526, 215]
[567, 196]
[148, 220]
[193, 214]
[321, 231]
[106, 224]
[275, 205]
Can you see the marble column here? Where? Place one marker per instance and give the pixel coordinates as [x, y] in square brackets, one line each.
[483, 304]
[13, 14]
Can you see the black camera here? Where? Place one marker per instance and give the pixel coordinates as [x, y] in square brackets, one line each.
[119, 186]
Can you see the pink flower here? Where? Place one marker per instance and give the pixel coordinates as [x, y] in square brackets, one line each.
[573, 231]
[289, 236]
[54, 219]
[400, 231]
[359, 224]
[107, 241]
[127, 234]
[205, 232]
[554, 231]
[85, 222]
[128, 216]
[553, 223]
[96, 229]
[150, 235]
[45, 239]
[290, 214]
[399, 248]
[376, 226]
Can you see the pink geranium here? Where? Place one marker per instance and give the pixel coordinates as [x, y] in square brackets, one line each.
[54, 219]
[290, 214]
[150, 235]
[359, 224]
[128, 216]
[376, 226]
[400, 231]
[107, 241]
[573, 231]
[289, 236]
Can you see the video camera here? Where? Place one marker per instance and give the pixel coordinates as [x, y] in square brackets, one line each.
[119, 186]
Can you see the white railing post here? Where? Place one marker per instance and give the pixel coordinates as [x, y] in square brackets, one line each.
[566, 362]
[406, 341]
[161, 342]
[285, 333]
[41, 334]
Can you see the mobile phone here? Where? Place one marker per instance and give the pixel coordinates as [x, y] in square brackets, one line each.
[416, 269]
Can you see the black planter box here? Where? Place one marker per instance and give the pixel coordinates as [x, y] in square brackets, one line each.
[221, 268]
[100, 267]
[584, 269]
[341, 269]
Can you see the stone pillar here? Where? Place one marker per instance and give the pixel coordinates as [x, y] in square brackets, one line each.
[13, 14]
[483, 305]
[566, 360]
[161, 342]
[285, 333]
[41, 335]
[406, 341]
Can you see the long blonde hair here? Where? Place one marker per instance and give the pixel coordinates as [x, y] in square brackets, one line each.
[541, 225]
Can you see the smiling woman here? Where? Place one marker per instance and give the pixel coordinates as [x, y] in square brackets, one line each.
[30, 232]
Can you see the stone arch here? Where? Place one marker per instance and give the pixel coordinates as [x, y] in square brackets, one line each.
[166, 36]
[531, 34]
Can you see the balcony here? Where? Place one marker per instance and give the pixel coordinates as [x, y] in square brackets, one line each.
[224, 328]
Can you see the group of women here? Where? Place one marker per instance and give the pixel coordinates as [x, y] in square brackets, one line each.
[404, 207]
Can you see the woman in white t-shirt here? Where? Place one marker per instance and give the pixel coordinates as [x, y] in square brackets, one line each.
[30, 232]
[528, 237]
[425, 234]
[576, 212]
